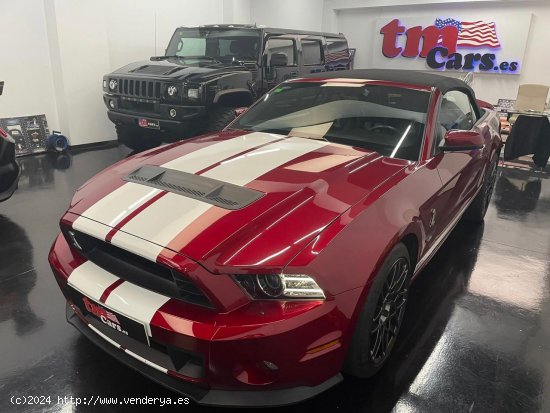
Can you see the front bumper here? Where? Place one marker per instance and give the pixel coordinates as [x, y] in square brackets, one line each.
[233, 346]
[186, 117]
[204, 396]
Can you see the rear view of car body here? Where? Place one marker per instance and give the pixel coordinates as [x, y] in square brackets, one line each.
[9, 168]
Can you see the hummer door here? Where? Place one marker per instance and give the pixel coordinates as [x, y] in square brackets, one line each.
[279, 61]
[312, 55]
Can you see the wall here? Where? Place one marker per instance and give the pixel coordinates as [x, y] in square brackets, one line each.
[288, 14]
[356, 18]
[25, 64]
[59, 51]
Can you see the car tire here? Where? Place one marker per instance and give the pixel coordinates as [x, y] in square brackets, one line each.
[380, 319]
[219, 118]
[136, 139]
[478, 208]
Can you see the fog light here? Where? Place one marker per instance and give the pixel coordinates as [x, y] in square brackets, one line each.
[172, 113]
[112, 104]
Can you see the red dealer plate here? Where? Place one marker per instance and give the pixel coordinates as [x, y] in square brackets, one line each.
[118, 322]
[149, 123]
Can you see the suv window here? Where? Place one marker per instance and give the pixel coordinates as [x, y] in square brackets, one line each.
[312, 52]
[283, 46]
[455, 112]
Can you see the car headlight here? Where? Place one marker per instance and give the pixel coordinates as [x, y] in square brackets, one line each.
[193, 93]
[172, 90]
[113, 84]
[279, 286]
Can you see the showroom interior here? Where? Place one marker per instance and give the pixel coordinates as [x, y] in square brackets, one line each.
[475, 336]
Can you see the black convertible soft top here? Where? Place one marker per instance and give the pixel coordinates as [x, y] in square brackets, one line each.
[410, 77]
[443, 83]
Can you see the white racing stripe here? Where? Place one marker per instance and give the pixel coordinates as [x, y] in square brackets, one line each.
[91, 280]
[127, 299]
[136, 302]
[161, 222]
[114, 207]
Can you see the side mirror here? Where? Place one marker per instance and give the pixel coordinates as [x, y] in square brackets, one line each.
[458, 140]
[279, 59]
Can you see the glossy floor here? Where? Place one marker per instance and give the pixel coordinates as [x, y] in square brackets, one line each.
[476, 336]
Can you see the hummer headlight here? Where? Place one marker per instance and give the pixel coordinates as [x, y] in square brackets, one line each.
[280, 286]
[113, 84]
[172, 90]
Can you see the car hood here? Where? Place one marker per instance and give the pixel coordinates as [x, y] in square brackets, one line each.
[177, 69]
[300, 186]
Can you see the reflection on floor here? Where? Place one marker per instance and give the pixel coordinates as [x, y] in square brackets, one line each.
[476, 336]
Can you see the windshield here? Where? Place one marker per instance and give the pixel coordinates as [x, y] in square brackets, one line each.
[388, 120]
[224, 45]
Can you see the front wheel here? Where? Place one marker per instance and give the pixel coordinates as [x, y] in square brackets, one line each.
[219, 118]
[478, 208]
[381, 317]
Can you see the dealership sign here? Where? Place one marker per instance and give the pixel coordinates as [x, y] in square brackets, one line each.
[453, 44]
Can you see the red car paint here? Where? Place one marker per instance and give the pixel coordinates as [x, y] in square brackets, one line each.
[333, 213]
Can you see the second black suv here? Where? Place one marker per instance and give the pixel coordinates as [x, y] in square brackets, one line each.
[208, 72]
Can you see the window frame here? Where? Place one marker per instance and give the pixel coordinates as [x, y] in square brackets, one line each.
[435, 142]
[281, 37]
[319, 41]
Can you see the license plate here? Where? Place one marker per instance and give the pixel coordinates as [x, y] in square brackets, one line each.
[118, 322]
[149, 123]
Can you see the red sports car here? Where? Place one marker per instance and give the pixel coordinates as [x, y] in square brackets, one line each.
[252, 266]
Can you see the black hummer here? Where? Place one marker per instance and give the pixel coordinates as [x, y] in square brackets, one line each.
[208, 72]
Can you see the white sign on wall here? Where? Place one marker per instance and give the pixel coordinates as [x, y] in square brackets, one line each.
[452, 43]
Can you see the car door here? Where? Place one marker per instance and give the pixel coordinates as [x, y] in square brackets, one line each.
[312, 55]
[461, 172]
[279, 60]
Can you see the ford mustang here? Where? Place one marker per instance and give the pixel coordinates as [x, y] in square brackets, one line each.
[254, 266]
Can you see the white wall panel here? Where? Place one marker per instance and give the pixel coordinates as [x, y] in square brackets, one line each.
[25, 62]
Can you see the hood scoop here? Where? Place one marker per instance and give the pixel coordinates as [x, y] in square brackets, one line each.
[212, 191]
[157, 70]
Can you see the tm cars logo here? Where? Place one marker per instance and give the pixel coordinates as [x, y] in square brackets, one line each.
[105, 316]
[441, 41]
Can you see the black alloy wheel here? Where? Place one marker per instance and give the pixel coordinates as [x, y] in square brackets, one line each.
[389, 312]
[378, 323]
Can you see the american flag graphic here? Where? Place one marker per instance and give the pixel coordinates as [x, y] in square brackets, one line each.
[337, 56]
[472, 34]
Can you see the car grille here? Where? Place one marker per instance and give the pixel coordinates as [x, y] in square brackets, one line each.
[139, 88]
[138, 270]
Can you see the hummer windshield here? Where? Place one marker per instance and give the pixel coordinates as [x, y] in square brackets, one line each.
[225, 45]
